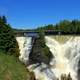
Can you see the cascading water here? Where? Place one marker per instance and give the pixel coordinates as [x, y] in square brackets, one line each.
[65, 61]
[66, 55]
[25, 45]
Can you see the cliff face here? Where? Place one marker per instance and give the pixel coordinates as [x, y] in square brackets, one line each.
[32, 76]
[38, 54]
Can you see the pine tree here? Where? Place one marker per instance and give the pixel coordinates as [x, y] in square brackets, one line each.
[8, 42]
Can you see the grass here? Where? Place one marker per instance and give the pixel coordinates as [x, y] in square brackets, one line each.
[12, 69]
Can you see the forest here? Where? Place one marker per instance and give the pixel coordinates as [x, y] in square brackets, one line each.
[65, 26]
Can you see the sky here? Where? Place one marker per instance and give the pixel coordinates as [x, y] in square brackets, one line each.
[29, 14]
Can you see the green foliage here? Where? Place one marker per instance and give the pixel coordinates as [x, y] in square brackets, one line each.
[47, 27]
[12, 69]
[40, 53]
[4, 19]
[41, 39]
[8, 42]
[65, 25]
[45, 49]
[48, 54]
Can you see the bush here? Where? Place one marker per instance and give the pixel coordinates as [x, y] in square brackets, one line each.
[47, 53]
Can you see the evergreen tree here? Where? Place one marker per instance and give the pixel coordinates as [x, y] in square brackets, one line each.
[8, 42]
[4, 19]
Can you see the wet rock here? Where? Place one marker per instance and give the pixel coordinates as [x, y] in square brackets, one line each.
[65, 77]
[32, 76]
[37, 54]
[78, 70]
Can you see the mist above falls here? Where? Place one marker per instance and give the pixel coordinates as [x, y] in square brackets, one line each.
[66, 53]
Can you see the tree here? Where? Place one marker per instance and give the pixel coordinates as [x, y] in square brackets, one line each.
[64, 25]
[8, 42]
[4, 19]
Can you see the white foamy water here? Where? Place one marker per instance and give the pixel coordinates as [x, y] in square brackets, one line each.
[25, 48]
[66, 56]
[65, 61]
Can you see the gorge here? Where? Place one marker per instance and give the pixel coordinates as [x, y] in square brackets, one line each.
[66, 57]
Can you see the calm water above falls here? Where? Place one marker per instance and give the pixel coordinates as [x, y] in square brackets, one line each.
[65, 50]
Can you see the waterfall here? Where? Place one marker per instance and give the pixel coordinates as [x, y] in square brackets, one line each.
[66, 56]
[65, 61]
[42, 72]
[25, 48]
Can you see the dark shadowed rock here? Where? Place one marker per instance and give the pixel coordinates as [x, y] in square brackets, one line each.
[78, 70]
[37, 54]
